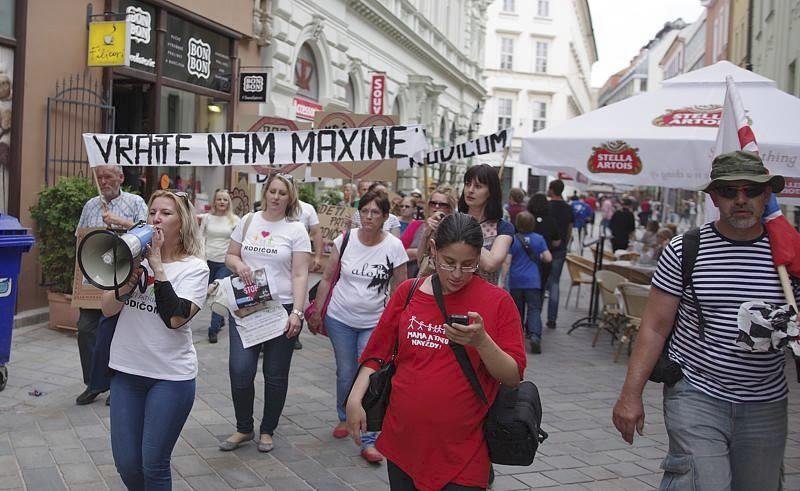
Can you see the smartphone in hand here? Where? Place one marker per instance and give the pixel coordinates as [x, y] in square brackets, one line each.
[458, 319]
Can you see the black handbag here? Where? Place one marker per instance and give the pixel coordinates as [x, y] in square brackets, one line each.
[376, 398]
[512, 428]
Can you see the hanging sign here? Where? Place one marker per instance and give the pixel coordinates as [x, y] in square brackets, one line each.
[480, 146]
[141, 18]
[376, 93]
[253, 87]
[109, 43]
[196, 55]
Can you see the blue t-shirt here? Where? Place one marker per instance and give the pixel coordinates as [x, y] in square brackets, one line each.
[580, 213]
[523, 272]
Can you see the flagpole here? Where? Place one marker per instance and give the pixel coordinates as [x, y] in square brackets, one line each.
[503, 162]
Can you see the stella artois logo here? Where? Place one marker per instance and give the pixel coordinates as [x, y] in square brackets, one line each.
[704, 116]
[615, 157]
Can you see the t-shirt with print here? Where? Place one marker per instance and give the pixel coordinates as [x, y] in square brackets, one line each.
[433, 428]
[270, 245]
[143, 345]
[491, 231]
[360, 295]
[217, 230]
[524, 272]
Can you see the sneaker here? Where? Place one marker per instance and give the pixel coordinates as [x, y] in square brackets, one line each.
[298, 344]
[551, 324]
[212, 337]
[536, 347]
[87, 397]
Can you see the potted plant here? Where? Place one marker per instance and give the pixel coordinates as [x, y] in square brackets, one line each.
[57, 213]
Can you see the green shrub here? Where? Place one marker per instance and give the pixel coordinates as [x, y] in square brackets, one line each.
[306, 193]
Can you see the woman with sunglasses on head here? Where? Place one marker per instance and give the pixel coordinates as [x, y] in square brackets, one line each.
[275, 240]
[432, 433]
[440, 204]
[372, 265]
[152, 355]
[482, 198]
[217, 227]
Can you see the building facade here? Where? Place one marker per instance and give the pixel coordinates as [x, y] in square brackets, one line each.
[539, 56]
[776, 42]
[718, 13]
[687, 51]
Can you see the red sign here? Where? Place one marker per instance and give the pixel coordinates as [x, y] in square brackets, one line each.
[376, 92]
[792, 189]
[615, 158]
[305, 109]
[564, 176]
[705, 116]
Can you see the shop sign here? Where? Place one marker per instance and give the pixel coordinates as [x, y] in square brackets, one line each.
[253, 87]
[196, 55]
[376, 93]
[141, 19]
[305, 109]
[109, 43]
[615, 157]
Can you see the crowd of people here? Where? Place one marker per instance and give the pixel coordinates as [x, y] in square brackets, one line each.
[495, 264]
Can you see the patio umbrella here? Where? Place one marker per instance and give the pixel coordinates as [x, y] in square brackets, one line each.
[667, 137]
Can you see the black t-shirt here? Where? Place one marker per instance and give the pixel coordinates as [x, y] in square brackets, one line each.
[546, 227]
[561, 213]
[622, 223]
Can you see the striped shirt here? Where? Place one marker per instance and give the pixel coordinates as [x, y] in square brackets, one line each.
[126, 205]
[726, 274]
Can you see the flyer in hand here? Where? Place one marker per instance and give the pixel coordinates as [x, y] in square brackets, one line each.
[250, 295]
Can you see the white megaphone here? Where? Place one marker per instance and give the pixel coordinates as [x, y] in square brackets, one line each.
[106, 259]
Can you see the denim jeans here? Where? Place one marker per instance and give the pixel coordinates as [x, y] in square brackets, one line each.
[529, 305]
[217, 272]
[100, 377]
[242, 366]
[553, 283]
[348, 344]
[715, 444]
[146, 419]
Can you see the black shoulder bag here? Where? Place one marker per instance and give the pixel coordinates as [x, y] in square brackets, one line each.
[376, 398]
[666, 370]
[512, 428]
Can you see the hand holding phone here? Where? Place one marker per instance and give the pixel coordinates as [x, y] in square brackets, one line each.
[461, 319]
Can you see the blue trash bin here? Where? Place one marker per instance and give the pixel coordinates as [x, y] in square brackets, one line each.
[14, 240]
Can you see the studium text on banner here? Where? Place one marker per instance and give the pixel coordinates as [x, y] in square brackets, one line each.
[246, 148]
[480, 146]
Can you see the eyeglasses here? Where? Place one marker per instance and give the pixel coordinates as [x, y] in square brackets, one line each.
[730, 192]
[450, 268]
[439, 204]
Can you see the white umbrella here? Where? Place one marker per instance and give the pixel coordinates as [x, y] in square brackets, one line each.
[667, 137]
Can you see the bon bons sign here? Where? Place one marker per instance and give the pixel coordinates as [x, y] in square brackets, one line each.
[615, 157]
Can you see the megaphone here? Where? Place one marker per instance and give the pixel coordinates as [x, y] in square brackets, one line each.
[106, 259]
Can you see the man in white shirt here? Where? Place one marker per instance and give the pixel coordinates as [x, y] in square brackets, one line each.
[309, 218]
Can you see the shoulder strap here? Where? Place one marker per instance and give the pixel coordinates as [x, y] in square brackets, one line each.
[345, 240]
[247, 219]
[527, 248]
[458, 350]
[689, 250]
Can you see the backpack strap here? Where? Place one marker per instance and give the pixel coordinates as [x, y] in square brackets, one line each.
[528, 251]
[458, 350]
[689, 251]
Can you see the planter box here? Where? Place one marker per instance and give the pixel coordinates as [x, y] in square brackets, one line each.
[62, 314]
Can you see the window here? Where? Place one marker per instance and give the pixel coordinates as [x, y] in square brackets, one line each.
[541, 57]
[508, 6]
[305, 73]
[504, 109]
[506, 53]
[539, 116]
[543, 8]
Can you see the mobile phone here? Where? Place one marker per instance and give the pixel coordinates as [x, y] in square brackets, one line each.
[458, 319]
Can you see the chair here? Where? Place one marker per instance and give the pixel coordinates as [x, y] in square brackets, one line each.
[608, 256]
[629, 256]
[632, 275]
[612, 317]
[579, 274]
[634, 300]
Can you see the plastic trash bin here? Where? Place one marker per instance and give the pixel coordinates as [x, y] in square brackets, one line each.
[14, 241]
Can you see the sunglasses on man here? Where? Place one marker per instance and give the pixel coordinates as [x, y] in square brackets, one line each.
[439, 204]
[730, 192]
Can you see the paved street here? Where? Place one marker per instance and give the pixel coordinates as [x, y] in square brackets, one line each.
[48, 443]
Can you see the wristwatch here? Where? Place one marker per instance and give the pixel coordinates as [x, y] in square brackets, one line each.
[298, 313]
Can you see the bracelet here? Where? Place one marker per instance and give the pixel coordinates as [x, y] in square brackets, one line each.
[298, 313]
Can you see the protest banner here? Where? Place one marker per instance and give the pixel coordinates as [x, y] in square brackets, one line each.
[84, 294]
[332, 220]
[381, 169]
[268, 124]
[376, 144]
[480, 146]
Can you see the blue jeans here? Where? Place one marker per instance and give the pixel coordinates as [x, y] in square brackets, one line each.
[242, 366]
[217, 272]
[715, 444]
[100, 377]
[146, 419]
[348, 344]
[532, 315]
[553, 283]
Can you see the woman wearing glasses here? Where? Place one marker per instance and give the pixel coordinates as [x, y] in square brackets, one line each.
[275, 240]
[432, 434]
[217, 227]
[152, 355]
[416, 238]
[372, 265]
[482, 198]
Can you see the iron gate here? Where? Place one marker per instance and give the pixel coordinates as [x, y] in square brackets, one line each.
[78, 107]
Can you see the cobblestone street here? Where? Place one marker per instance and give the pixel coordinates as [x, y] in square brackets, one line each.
[48, 443]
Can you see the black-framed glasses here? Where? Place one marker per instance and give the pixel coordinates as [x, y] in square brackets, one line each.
[730, 192]
[439, 204]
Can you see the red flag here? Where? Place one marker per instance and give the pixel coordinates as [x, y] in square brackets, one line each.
[783, 238]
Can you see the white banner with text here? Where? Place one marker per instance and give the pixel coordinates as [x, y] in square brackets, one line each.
[480, 146]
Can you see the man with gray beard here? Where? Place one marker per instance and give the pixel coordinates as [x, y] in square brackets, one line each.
[725, 407]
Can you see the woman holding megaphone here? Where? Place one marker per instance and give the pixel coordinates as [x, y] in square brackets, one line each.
[152, 355]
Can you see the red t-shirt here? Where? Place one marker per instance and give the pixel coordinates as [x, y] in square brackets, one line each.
[433, 428]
